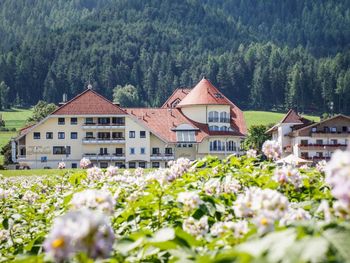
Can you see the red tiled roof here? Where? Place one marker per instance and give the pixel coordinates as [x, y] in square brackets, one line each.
[26, 128]
[293, 117]
[177, 95]
[204, 93]
[89, 102]
[162, 122]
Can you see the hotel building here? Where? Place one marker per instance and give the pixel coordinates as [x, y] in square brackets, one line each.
[311, 140]
[192, 123]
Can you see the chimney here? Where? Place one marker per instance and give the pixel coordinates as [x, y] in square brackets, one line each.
[64, 99]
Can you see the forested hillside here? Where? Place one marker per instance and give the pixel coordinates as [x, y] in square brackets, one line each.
[263, 54]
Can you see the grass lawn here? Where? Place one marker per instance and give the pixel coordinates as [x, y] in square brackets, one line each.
[266, 117]
[15, 118]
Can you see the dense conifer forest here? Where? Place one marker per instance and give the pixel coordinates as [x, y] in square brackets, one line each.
[263, 54]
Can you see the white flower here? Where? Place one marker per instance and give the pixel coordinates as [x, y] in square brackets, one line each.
[294, 215]
[30, 197]
[3, 193]
[95, 173]
[112, 171]
[212, 187]
[341, 209]
[256, 201]
[265, 222]
[80, 231]
[198, 228]
[4, 235]
[288, 175]
[238, 229]
[61, 165]
[251, 153]
[94, 199]
[321, 166]
[230, 185]
[324, 208]
[178, 168]
[85, 163]
[338, 175]
[138, 172]
[190, 200]
[271, 149]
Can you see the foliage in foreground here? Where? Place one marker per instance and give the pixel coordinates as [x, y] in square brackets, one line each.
[239, 209]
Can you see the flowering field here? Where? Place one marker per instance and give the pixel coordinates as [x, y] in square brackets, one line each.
[239, 209]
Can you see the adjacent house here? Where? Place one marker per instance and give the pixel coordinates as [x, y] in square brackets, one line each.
[311, 140]
[192, 123]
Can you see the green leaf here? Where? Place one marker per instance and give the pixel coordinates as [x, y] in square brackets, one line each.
[340, 240]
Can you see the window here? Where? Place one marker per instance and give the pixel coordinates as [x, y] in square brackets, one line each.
[49, 135]
[224, 128]
[89, 135]
[319, 142]
[89, 120]
[213, 116]
[132, 165]
[43, 159]
[155, 165]
[73, 121]
[74, 165]
[213, 128]
[224, 117]
[117, 135]
[326, 129]
[74, 135]
[217, 145]
[119, 151]
[120, 164]
[61, 121]
[333, 129]
[61, 150]
[142, 150]
[304, 155]
[118, 120]
[168, 151]
[142, 164]
[103, 135]
[185, 136]
[103, 165]
[103, 151]
[304, 142]
[313, 129]
[319, 154]
[142, 134]
[104, 121]
[218, 95]
[155, 151]
[132, 150]
[334, 141]
[131, 134]
[231, 146]
[36, 135]
[61, 135]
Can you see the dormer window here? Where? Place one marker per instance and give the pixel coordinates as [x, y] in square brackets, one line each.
[224, 117]
[213, 116]
[218, 95]
[185, 136]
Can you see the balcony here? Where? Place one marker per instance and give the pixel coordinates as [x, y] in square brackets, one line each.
[100, 126]
[317, 158]
[325, 147]
[93, 140]
[162, 157]
[329, 134]
[104, 157]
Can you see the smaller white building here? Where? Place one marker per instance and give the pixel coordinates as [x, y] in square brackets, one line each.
[311, 140]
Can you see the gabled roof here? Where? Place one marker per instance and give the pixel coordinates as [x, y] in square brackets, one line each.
[163, 122]
[313, 124]
[176, 97]
[88, 102]
[291, 117]
[204, 93]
